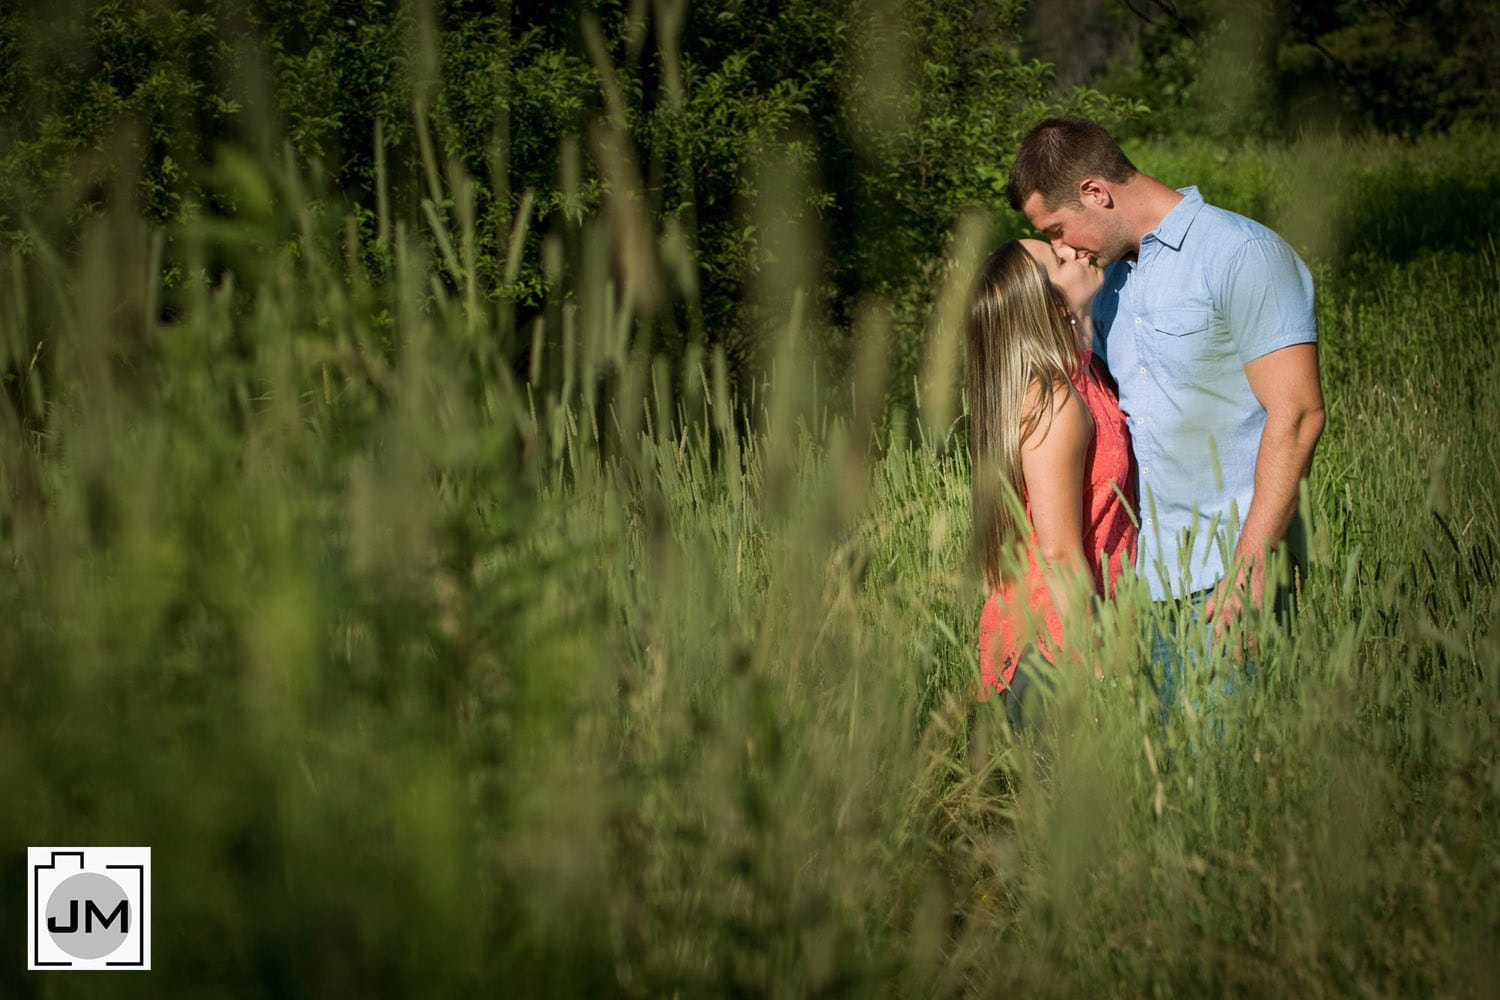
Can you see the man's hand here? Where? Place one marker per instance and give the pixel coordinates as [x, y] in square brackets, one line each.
[1237, 597]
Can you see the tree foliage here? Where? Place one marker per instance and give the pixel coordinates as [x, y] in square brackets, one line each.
[125, 87]
[1271, 67]
[876, 123]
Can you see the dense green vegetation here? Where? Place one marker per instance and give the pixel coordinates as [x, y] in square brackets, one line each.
[894, 117]
[439, 641]
[1264, 70]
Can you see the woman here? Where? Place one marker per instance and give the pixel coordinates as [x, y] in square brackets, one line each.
[1049, 445]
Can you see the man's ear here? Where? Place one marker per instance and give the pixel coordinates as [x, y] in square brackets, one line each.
[1096, 191]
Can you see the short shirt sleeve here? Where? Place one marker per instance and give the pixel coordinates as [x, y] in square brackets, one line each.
[1268, 299]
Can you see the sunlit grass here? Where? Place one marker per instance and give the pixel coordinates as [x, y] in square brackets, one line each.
[421, 677]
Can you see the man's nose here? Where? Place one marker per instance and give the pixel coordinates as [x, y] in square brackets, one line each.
[1063, 250]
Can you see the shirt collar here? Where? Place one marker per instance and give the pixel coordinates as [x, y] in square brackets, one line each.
[1173, 228]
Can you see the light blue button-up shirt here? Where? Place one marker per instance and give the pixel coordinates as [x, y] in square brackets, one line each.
[1209, 291]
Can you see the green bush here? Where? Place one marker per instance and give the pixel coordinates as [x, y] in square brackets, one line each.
[873, 125]
[1233, 72]
[130, 89]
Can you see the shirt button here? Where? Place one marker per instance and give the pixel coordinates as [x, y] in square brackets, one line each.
[1149, 521]
[1146, 471]
[1137, 321]
[1143, 369]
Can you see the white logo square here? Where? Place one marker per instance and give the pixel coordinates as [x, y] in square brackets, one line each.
[88, 908]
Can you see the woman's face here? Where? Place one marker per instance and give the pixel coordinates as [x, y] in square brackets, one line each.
[1070, 274]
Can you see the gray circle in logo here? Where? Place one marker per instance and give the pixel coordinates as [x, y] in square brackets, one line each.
[78, 911]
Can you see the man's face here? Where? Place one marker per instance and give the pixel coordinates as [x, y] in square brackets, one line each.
[1087, 227]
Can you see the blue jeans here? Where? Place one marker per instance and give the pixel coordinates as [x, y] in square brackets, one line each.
[1182, 650]
[1027, 693]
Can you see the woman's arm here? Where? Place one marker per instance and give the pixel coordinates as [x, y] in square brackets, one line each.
[1052, 463]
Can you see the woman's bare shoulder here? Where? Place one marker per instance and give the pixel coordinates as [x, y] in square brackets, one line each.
[1065, 419]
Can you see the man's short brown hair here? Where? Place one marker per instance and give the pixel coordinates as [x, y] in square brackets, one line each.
[1057, 155]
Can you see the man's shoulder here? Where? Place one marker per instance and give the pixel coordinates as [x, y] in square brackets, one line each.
[1222, 224]
[1223, 243]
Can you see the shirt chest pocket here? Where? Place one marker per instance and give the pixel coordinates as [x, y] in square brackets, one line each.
[1187, 345]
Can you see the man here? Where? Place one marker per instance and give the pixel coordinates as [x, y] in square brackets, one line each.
[1206, 323]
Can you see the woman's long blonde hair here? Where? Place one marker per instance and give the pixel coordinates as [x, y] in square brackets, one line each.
[1019, 335]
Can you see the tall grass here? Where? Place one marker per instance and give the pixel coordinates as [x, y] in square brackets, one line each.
[424, 678]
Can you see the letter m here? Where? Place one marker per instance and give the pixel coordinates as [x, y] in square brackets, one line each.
[91, 912]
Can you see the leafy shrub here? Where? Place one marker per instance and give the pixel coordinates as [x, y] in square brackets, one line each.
[131, 87]
[873, 124]
[1234, 71]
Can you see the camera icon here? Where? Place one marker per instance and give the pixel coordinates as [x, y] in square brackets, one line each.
[88, 908]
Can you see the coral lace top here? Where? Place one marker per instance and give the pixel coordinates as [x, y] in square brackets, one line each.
[1020, 613]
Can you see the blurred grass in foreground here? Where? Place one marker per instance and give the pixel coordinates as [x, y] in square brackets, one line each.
[421, 679]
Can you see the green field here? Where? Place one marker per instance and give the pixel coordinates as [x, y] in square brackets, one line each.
[426, 676]
[485, 498]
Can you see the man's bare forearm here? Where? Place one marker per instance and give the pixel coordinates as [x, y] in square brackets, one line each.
[1286, 450]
